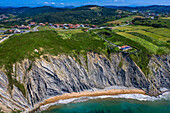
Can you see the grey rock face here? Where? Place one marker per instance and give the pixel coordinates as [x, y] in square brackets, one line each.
[63, 74]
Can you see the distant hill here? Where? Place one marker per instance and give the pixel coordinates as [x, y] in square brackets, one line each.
[86, 14]
[27, 11]
[153, 8]
[14, 11]
[90, 14]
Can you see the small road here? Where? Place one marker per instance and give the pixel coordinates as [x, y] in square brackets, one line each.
[35, 28]
[2, 31]
[107, 40]
[13, 34]
[121, 25]
[6, 38]
[54, 27]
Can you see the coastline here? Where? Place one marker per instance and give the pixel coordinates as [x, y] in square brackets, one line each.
[107, 92]
[91, 94]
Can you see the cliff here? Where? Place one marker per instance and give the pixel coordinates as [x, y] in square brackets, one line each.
[55, 75]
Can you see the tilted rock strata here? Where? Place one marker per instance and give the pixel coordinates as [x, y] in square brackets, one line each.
[56, 75]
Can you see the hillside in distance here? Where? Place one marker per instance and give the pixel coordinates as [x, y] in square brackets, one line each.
[90, 14]
[153, 8]
[27, 11]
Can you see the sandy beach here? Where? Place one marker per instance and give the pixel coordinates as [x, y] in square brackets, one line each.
[92, 94]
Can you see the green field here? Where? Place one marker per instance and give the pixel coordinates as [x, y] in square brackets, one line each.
[157, 23]
[42, 28]
[66, 34]
[144, 48]
[156, 36]
[165, 18]
[132, 28]
[161, 31]
[3, 29]
[151, 47]
[153, 35]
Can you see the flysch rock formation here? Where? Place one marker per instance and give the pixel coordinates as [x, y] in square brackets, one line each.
[56, 75]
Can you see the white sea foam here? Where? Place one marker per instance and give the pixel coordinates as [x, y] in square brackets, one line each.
[140, 97]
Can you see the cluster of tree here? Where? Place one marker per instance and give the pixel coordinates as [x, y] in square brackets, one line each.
[152, 22]
[84, 15]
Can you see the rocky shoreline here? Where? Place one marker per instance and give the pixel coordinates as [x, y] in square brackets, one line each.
[52, 76]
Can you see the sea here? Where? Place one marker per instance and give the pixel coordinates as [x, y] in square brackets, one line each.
[124, 103]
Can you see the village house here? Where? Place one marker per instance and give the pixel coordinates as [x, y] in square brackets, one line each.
[24, 27]
[77, 25]
[17, 31]
[71, 27]
[57, 25]
[65, 27]
[41, 24]
[50, 24]
[86, 30]
[32, 24]
[86, 25]
[125, 48]
[81, 25]
[93, 26]
[11, 31]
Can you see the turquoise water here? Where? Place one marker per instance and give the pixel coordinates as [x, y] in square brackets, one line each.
[110, 105]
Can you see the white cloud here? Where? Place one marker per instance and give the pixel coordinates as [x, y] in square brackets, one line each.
[62, 3]
[49, 3]
[119, 0]
[46, 3]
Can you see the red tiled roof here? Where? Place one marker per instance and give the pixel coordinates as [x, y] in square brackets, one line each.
[125, 46]
[71, 27]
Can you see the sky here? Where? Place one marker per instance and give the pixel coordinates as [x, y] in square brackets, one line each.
[62, 3]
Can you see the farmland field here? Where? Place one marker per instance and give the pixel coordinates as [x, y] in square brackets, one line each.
[147, 40]
[153, 35]
[132, 27]
[151, 47]
[161, 31]
[165, 18]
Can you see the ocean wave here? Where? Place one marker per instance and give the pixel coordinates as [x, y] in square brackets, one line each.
[140, 97]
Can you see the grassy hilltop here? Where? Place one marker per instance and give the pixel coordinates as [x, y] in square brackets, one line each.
[22, 46]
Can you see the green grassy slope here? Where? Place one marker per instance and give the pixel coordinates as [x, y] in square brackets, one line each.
[161, 31]
[23, 46]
